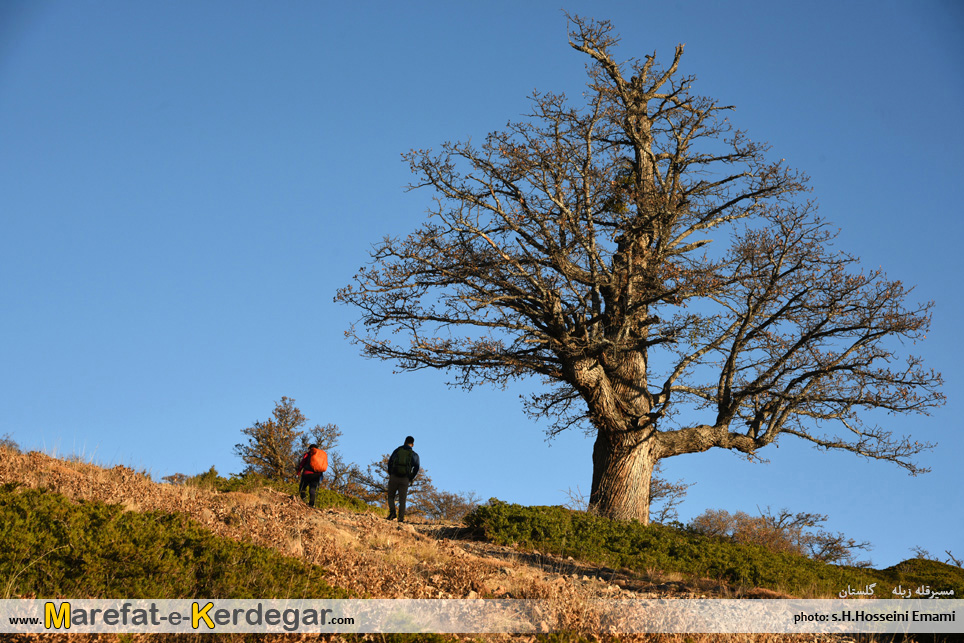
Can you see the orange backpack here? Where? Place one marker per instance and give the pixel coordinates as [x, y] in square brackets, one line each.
[318, 461]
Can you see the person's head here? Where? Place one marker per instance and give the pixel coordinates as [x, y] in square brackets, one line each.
[409, 441]
[312, 446]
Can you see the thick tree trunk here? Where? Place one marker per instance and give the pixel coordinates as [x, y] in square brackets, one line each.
[621, 474]
[623, 454]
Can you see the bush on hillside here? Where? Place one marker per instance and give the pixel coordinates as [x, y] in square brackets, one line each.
[7, 442]
[637, 547]
[51, 546]
[940, 575]
[783, 532]
[920, 552]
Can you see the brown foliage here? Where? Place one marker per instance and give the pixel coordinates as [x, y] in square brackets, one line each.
[270, 450]
[785, 532]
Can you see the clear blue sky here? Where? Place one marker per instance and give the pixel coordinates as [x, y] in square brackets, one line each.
[184, 185]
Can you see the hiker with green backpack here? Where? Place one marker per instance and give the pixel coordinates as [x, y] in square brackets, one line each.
[402, 469]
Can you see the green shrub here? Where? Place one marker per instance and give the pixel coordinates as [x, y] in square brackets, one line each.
[252, 482]
[51, 546]
[632, 545]
[329, 498]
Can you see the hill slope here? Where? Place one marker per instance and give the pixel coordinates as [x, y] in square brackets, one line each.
[368, 556]
[362, 553]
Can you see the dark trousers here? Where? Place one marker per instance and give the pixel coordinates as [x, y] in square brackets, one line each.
[309, 481]
[397, 485]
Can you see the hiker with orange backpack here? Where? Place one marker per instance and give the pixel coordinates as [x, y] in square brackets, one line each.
[312, 467]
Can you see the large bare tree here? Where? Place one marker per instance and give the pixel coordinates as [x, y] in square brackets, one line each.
[575, 245]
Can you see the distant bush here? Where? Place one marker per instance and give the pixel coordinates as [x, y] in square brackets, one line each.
[51, 546]
[7, 442]
[329, 498]
[445, 505]
[783, 531]
[632, 545]
[920, 552]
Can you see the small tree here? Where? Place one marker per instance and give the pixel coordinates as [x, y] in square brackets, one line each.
[803, 529]
[274, 446]
[339, 475]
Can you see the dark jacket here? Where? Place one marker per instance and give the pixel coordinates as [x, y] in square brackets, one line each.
[391, 461]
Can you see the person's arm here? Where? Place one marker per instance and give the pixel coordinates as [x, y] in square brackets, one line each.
[414, 466]
[391, 462]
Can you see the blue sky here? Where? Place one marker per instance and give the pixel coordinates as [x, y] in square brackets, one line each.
[183, 186]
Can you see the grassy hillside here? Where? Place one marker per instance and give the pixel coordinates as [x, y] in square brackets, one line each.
[641, 548]
[103, 508]
[69, 528]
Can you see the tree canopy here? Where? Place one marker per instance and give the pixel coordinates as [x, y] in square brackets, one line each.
[669, 282]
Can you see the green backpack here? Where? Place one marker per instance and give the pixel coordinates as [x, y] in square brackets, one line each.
[403, 463]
